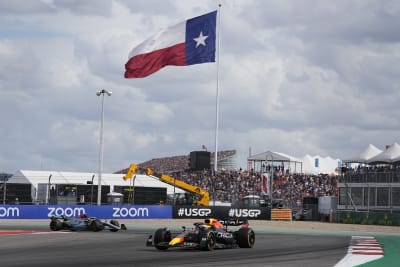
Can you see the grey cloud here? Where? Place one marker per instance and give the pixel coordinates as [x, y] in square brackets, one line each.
[296, 77]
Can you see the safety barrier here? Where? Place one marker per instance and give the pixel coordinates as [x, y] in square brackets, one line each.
[131, 212]
[101, 212]
[281, 214]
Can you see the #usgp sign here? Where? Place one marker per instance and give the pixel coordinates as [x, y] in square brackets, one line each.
[181, 212]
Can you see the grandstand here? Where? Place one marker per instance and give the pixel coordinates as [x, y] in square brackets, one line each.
[226, 160]
[176, 164]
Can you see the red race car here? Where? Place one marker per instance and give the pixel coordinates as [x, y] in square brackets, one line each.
[207, 235]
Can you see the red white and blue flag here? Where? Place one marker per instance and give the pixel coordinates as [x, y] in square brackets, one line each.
[187, 43]
[265, 184]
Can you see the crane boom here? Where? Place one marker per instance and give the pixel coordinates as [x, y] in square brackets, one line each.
[203, 197]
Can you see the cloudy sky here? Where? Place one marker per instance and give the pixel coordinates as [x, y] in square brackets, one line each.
[297, 77]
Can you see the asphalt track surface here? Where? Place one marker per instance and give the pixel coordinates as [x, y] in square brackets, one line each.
[127, 248]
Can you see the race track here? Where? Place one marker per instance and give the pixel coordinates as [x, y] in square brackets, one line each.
[127, 248]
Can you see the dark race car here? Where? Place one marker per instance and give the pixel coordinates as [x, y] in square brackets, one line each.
[207, 235]
[83, 222]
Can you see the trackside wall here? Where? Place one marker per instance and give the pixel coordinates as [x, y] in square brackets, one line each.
[101, 212]
[130, 212]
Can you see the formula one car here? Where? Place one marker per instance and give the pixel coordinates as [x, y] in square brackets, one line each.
[211, 234]
[83, 222]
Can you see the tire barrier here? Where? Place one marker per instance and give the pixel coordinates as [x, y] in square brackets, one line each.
[281, 215]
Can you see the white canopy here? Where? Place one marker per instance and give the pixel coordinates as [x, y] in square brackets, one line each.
[273, 156]
[309, 164]
[57, 177]
[390, 155]
[369, 152]
[317, 164]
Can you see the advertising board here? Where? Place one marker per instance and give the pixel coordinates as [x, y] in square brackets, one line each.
[101, 212]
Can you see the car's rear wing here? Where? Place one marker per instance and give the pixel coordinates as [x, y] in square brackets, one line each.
[235, 222]
[232, 222]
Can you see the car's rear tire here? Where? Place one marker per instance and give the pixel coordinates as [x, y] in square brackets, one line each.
[55, 225]
[96, 226]
[115, 223]
[246, 238]
[161, 237]
[210, 242]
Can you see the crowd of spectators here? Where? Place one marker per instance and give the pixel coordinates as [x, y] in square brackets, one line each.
[178, 163]
[167, 164]
[231, 186]
[292, 188]
[361, 169]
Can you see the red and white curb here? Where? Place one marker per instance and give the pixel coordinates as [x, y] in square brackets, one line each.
[362, 249]
[27, 232]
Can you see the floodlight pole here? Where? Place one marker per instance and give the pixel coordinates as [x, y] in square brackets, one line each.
[271, 177]
[48, 190]
[4, 190]
[91, 193]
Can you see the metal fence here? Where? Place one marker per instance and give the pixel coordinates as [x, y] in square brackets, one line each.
[369, 191]
[370, 177]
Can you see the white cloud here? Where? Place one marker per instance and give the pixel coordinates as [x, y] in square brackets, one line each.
[295, 77]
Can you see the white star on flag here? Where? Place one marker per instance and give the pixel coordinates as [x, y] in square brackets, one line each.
[201, 40]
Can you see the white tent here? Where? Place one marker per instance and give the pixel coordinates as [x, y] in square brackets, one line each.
[329, 165]
[308, 164]
[388, 156]
[369, 152]
[273, 156]
[57, 177]
[270, 157]
[396, 159]
[318, 164]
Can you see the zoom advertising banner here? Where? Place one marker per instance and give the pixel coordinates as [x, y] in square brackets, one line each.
[101, 212]
[183, 212]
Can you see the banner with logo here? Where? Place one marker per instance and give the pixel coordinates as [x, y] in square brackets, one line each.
[132, 212]
[184, 212]
[101, 212]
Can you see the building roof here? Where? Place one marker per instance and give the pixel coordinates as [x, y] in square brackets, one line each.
[59, 177]
[273, 156]
[369, 152]
[390, 155]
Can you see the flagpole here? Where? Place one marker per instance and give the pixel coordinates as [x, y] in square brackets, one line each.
[217, 95]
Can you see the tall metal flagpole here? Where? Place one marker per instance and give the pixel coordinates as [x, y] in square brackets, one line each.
[217, 97]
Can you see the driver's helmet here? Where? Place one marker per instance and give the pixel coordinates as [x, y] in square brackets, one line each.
[83, 216]
[214, 222]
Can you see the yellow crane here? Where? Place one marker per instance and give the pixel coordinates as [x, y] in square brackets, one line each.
[202, 197]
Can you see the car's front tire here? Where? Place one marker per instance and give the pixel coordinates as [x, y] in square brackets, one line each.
[210, 241]
[55, 225]
[96, 226]
[246, 238]
[161, 238]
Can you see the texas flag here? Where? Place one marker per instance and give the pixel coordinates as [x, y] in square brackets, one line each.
[187, 43]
